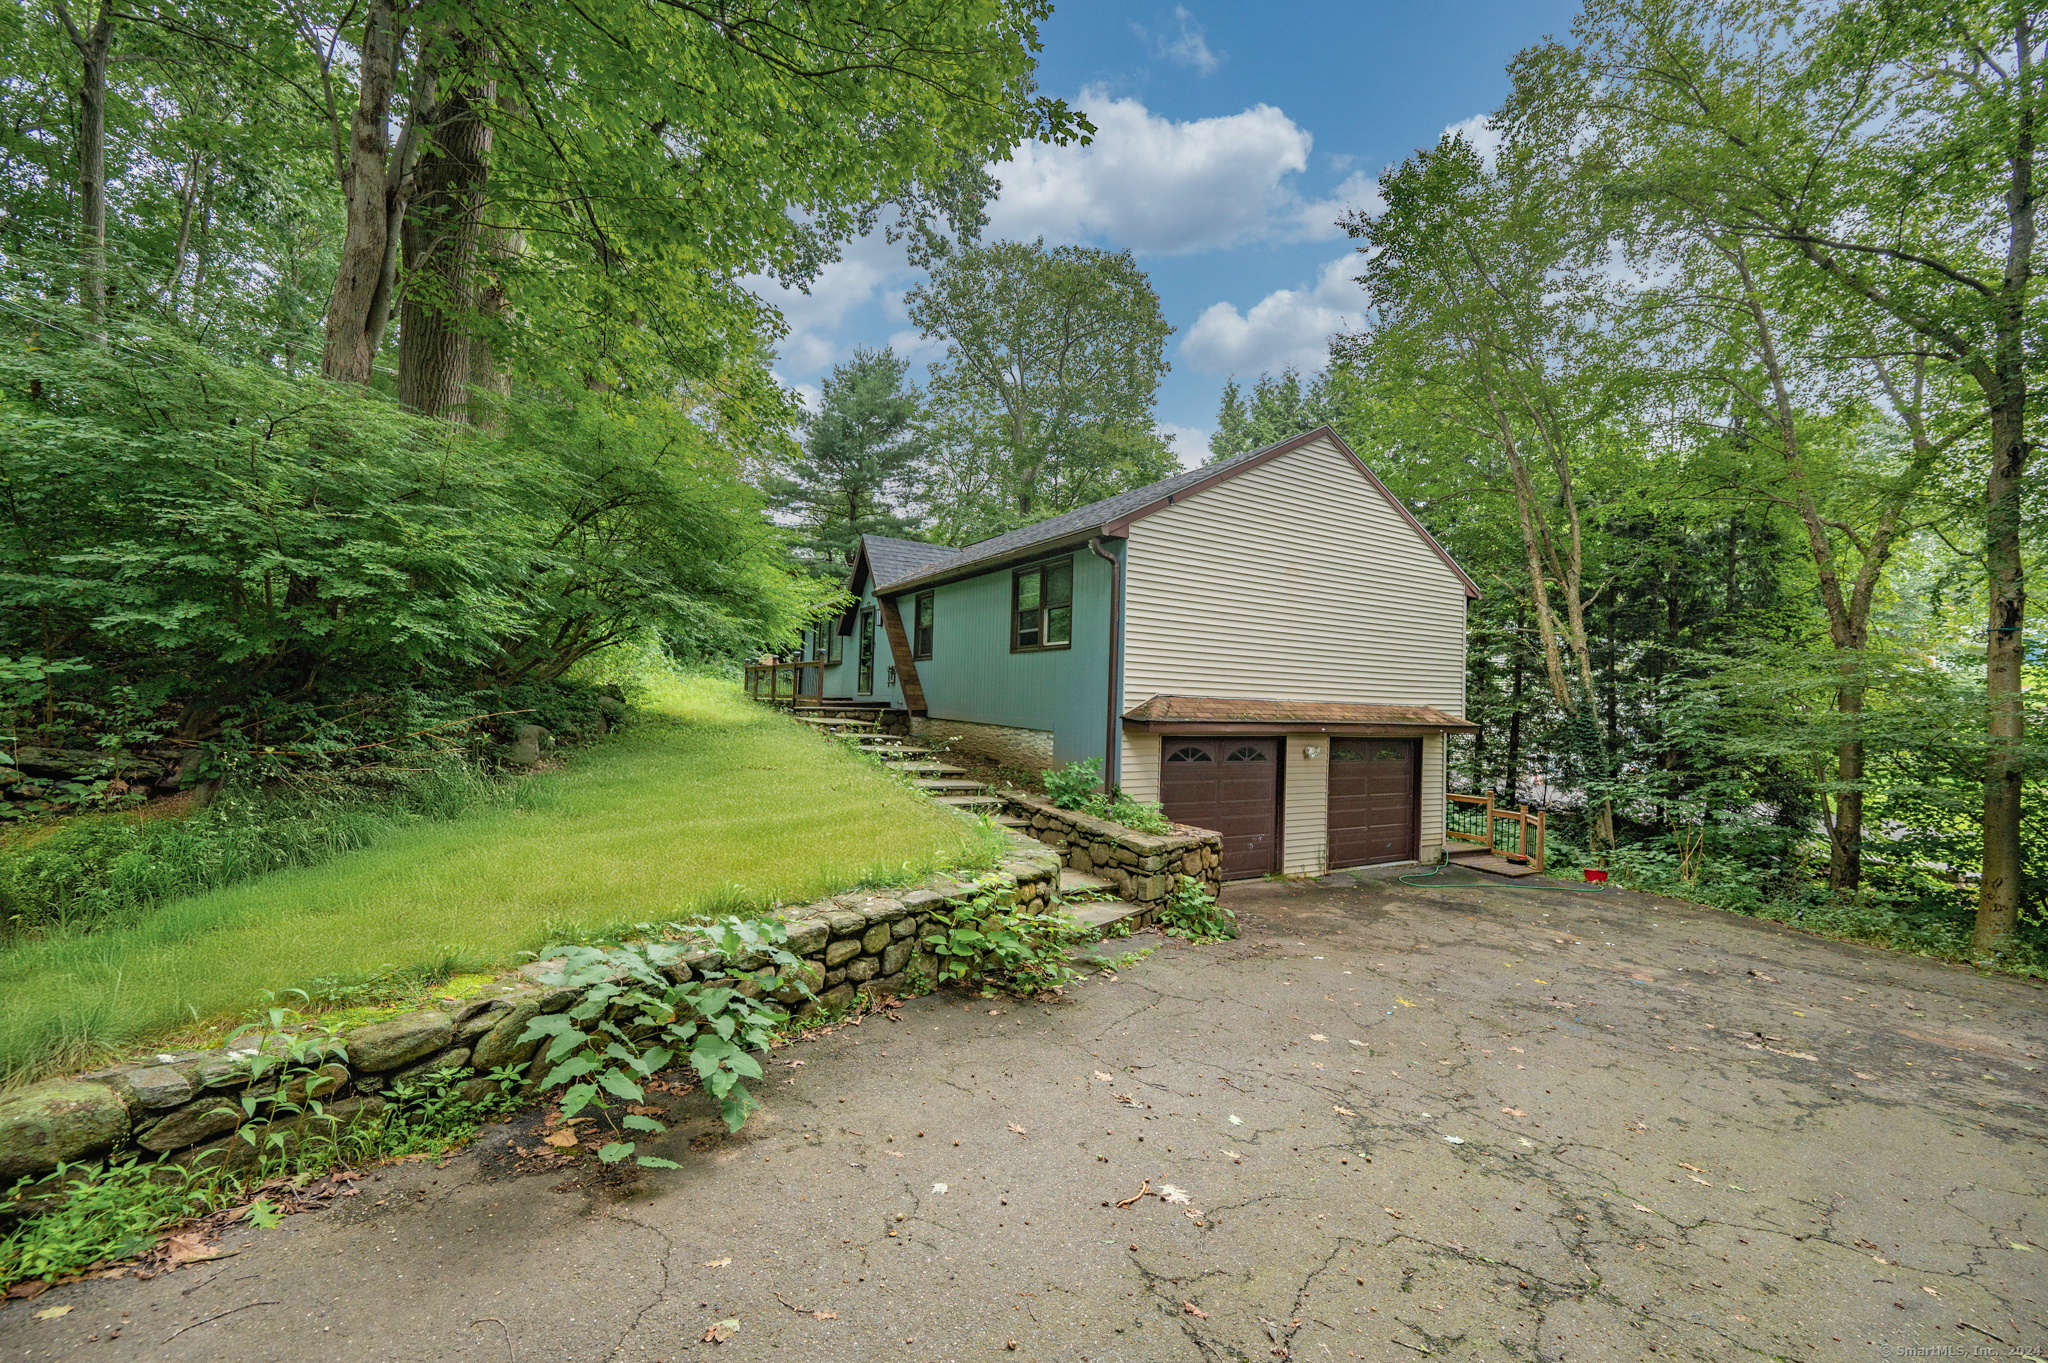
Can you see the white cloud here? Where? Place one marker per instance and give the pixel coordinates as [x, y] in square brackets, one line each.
[1190, 444]
[1477, 131]
[817, 319]
[1318, 221]
[1156, 185]
[1189, 47]
[1287, 326]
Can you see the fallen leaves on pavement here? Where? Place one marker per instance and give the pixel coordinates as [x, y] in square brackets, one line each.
[562, 1139]
[1191, 1309]
[1344, 1111]
[52, 1312]
[1104, 1078]
[721, 1332]
[1514, 1112]
[1016, 1128]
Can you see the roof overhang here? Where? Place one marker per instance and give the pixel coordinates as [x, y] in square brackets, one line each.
[1065, 544]
[1245, 715]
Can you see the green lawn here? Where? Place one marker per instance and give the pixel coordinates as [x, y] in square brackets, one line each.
[706, 803]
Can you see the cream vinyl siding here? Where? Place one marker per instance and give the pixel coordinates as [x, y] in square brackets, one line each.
[1141, 766]
[1296, 580]
[1305, 807]
[1431, 843]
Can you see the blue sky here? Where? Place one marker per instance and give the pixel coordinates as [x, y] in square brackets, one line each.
[1229, 139]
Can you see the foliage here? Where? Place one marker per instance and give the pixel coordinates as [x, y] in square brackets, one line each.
[707, 804]
[96, 1213]
[1077, 785]
[600, 1046]
[1070, 786]
[863, 451]
[100, 868]
[1192, 912]
[1277, 409]
[988, 939]
[1045, 396]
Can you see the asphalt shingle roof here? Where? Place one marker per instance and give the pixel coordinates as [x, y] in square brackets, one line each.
[893, 560]
[1078, 521]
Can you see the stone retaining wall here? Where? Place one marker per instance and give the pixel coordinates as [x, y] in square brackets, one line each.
[1027, 750]
[187, 1104]
[1143, 866]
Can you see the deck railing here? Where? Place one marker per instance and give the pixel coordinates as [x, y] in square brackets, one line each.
[774, 682]
[1475, 819]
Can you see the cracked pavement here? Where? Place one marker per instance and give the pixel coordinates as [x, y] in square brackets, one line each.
[1503, 1124]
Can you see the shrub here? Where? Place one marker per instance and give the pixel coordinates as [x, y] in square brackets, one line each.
[989, 939]
[1071, 786]
[1193, 913]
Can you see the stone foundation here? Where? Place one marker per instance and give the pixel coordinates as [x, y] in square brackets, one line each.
[187, 1104]
[1143, 866]
[1027, 750]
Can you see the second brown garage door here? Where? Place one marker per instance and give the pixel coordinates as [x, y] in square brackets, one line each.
[1233, 786]
[1372, 800]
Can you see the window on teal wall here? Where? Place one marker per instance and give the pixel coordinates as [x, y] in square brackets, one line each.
[922, 613]
[1042, 606]
[835, 647]
[867, 653]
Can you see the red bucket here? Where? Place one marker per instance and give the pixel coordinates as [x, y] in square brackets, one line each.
[1595, 874]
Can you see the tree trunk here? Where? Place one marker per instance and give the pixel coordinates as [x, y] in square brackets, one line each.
[437, 317]
[1514, 768]
[93, 51]
[1998, 894]
[1845, 835]
[360, 303]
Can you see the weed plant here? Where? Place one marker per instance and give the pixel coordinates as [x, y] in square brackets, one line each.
[1191, 912]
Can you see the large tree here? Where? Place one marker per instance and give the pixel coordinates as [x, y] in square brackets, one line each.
[1279, 406]
[1488, 314]
[1892, 150]
[586, 186]
[857, 471]
[1045, 396]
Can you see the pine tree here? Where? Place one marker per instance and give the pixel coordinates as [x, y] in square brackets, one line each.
[862, 450]
[1278, 408]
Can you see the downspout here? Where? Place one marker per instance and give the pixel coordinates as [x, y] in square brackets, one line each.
[1110, 747]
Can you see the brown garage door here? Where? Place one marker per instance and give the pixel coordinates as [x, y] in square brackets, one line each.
[1233, 786]
[1372, 800]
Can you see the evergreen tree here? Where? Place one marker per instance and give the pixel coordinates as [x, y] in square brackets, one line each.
[862, 449]
[1278, 408]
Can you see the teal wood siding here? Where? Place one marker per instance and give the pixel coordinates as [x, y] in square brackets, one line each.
[973, 676]
[843, 678]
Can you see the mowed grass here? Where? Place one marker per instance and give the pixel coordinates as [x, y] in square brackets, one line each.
[706, 804]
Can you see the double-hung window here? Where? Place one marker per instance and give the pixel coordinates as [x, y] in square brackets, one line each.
[835, 648]
[921, 616]
[1042, 606]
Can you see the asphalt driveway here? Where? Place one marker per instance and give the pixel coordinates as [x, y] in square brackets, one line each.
[1506, 1124]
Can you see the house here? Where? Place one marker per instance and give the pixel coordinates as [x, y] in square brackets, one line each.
[1271, 646]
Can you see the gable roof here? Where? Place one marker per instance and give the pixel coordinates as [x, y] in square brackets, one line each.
[1112, 517]
[890, 561]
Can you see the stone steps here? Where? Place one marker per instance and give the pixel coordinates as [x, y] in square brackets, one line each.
[968, 802]
[1072, 881]
[948, 786]
[1106, 913]
[930, 769]
[834, 721]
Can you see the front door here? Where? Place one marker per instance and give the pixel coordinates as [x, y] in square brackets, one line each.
[1373, 793]
[1231, 785]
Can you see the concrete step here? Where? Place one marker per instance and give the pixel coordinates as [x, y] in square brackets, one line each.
[928, 769]
[1103, 914]
[835, 722]
[952, 787]
[970, 802]
[888, 752]
[1072, 881]
[1012, 821]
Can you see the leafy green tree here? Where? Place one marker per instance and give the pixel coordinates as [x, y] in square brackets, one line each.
[1892, 151]
[661, 152]
[1279, 407]
[857, 472]
[1490, 315]
[1045, 397]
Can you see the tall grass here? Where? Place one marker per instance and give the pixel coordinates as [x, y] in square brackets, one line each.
[707, 804]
